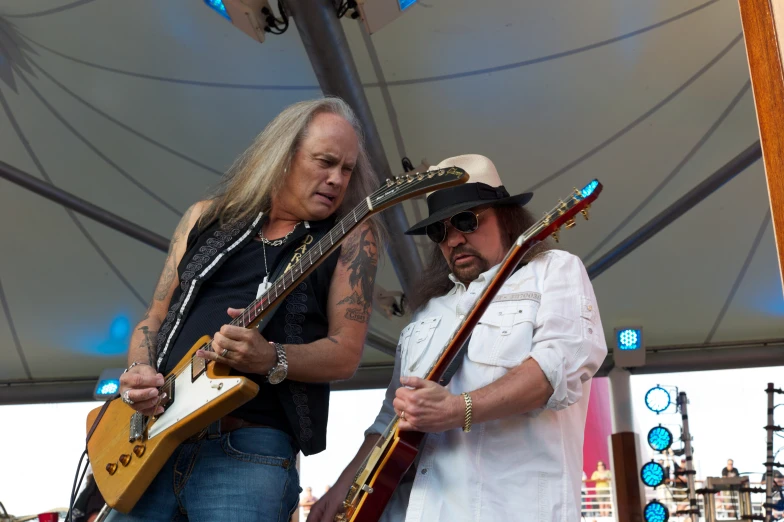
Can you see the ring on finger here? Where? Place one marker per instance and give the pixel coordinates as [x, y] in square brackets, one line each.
[126, 398]
[224, 352]
[403, 414]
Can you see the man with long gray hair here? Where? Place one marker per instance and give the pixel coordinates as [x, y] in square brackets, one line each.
[523, 383]
[306, 169]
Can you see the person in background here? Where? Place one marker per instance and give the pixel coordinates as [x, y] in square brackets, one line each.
[307, 501]
[602, 476]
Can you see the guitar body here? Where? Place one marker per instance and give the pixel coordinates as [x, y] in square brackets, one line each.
[368, 505]
[192, 405]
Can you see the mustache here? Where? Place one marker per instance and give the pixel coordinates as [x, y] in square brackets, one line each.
[463, 250]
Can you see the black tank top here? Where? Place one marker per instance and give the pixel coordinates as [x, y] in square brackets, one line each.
[235, 285]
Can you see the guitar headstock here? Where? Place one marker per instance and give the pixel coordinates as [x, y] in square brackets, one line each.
[564, 213]
[407, 186]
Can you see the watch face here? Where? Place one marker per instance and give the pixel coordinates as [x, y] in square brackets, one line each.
[278, 375]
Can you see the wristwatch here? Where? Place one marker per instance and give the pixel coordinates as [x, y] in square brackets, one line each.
[278, 373]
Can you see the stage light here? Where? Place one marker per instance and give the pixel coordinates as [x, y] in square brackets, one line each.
[660, 438]
[655, 511]
[376, 14]
[217, 6]
[108, 385]
[652, 474]
[589, 188]
[657, 399]
[629, 338]
[629, 347]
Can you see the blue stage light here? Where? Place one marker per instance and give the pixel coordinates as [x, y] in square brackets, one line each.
[629, 339]
[218, 7]
[589, 188]
[655, 511]
[652, 474]
[660, 438]
[657, 399]
[109, 387]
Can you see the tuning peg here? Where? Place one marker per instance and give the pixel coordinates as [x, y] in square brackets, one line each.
[561, 207]
[584, 212]
[399, 180]
[420, 176]
[125, 459]
[111, 468]
[555, 235]
[570, 223]
[138, 450]
[389, 182]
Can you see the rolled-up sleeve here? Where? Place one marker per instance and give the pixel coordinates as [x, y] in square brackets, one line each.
[568, 341]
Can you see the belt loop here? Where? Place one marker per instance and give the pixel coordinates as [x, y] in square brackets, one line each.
[214, 430]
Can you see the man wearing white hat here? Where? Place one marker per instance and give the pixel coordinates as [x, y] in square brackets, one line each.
[523, 383]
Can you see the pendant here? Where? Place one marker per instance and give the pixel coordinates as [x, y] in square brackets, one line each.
[263, 287]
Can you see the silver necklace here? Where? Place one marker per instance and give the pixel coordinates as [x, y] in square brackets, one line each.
[276, 242]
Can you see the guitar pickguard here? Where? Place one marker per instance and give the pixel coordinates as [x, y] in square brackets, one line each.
[191, 396]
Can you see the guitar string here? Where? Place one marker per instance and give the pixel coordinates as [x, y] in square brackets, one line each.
[363, 205]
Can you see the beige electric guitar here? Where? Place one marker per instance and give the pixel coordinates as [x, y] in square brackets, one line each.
[127, 449]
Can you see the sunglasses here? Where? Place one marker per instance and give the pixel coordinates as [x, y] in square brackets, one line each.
[464, 222]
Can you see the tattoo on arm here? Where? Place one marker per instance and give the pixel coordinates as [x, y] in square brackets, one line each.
[360, 254]
[149, 343]
[170, 265]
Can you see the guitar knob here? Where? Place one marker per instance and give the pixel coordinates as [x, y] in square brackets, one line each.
[570, 223]
[111, 468]
[584, 212]
[138, 450]
[125, 459]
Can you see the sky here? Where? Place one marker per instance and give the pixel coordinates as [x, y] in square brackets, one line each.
[40, 444]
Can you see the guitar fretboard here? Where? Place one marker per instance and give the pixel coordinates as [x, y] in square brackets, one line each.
[311, 257]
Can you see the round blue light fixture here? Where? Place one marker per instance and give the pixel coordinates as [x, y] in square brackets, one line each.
[657, 399]
[655, 511]
[652, 474]
[108, 387]
[660, 438]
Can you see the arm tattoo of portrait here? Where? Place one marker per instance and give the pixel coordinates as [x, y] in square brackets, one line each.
[149, 343]
[359, 253]
[170, 266]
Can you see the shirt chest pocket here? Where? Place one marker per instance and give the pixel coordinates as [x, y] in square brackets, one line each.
[414, 343]
[504, 334]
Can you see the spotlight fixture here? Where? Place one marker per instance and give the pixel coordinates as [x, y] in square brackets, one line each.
[108, 385]
[376, 14]
[657, 399]
[245, 15]
[629, 347]
[652, 474]
[655, 511]
[660, 438]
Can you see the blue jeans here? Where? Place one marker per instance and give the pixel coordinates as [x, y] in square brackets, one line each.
[247, 475]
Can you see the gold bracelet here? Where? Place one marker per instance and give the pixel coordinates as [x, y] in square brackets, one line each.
[469, 410]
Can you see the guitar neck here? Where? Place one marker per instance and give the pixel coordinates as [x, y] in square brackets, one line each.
[300, 268]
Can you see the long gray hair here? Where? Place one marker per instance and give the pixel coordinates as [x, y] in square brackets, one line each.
[259, 172]
[513, 220]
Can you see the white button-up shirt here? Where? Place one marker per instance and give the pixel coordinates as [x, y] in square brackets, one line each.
[524, 467]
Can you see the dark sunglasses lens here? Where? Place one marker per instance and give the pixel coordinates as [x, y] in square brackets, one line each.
[465, 222]
[436, 231]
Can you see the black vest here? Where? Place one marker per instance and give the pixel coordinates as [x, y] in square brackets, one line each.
[305, 405]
